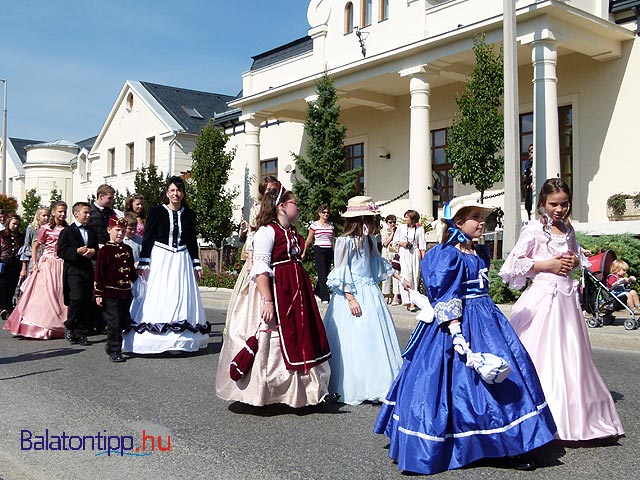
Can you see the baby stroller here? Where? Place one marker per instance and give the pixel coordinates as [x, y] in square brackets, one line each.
[597, 298]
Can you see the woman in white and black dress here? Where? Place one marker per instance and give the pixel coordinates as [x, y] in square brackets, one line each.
[167, 312]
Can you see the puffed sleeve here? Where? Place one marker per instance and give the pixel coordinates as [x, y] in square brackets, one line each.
[340, 279]
[150, 233]
[381, 268]
[263, 242]
[41, 236]
[191, 236]
[443, 272]
[519, 264]
[27, 247]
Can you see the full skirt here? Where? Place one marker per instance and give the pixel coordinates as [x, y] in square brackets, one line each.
[439, 415]
[40, 312]
[167, 311]
[365, 354]
[268, 382]
[548, 319]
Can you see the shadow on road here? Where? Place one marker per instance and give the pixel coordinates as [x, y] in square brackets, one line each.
[281, 409]
[29, 374]
[40, 355]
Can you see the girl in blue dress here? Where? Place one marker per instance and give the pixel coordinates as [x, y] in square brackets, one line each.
[440, 414]
[365, 354]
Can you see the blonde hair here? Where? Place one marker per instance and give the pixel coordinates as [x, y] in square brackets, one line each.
[35, 225]
[618, 265]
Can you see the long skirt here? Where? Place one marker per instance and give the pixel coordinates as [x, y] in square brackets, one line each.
[548, 319]
[41, 312]
[167, 311]
[268, 381]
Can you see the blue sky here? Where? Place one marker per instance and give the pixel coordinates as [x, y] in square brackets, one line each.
[66, 60]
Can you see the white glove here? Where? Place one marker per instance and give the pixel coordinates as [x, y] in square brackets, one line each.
[460, 344]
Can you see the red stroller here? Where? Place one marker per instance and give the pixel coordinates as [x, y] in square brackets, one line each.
[597, 299]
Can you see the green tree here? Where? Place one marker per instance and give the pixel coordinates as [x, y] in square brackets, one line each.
[477, 133]
[326, 180]
[119, 199]
[150, 183]
[29, 206]
[208, 194]
[54, 196]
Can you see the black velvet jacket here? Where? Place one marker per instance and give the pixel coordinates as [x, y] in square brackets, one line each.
[172, 230]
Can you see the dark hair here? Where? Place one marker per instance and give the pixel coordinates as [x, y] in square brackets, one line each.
[262, 188]
[268, 206]
[179, 183]
[128, 206]
[460, 216]
[413, 215]
[390, 218]
[78, 205]
[131, 219]
[354, 227]
[322, 208]
[7, 221]
[550, 186]
[54, 205]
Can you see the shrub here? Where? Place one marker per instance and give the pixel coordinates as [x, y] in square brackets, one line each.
[217, 280]
[498, 290]
[617, 204]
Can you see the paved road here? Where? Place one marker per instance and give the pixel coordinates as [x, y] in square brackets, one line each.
[52, 385]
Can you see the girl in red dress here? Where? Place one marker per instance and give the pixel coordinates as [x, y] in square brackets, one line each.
[291, 362]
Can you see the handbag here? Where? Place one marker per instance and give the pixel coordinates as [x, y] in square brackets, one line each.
[243, 361]
[395, 262]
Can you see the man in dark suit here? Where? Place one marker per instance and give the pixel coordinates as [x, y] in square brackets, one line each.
[101, 211]
[76, 246]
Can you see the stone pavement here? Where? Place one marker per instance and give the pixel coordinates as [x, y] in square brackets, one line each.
[609, 336]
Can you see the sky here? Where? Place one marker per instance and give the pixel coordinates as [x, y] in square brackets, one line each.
[65, 61]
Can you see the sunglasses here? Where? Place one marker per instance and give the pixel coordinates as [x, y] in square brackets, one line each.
[325, 213]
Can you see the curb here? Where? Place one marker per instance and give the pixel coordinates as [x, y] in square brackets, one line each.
[609, 336]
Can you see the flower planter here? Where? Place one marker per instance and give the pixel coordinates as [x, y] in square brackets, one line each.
[631, 212]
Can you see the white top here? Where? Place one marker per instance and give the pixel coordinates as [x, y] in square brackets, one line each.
[414, 235]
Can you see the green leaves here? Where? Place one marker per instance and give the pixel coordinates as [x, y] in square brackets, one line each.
[326, 180]
[477, 132]
[212, 202]
[150, 183]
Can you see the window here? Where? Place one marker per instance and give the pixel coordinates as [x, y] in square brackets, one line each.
[366, 13]
[441, 165]
[151, 151]
[129, 105]
[565, 133]
[192, 112]
[348, 18]
[82, 167]
[384, 10]
[355, 160]
[268, 167]
[111, 161]
[130, 157]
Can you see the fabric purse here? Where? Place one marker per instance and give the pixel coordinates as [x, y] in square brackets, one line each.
[243, 361]
[395, 262]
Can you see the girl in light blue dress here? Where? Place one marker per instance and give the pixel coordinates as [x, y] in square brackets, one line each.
[365, 352]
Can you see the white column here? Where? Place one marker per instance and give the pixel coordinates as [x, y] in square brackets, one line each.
[546, 142]
[252, 152]
[420, 195]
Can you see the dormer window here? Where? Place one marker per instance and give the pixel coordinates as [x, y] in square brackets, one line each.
[366, 13]
[348, 18]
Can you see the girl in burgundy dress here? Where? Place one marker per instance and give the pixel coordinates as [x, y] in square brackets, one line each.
[291, 362]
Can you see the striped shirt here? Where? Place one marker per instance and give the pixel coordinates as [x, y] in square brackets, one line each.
[323, 234]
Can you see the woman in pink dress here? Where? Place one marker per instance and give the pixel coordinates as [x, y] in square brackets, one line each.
[549, 321]
[41, 311]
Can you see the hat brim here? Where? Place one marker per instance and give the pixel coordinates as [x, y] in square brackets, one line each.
[486, 209]
[364, 213]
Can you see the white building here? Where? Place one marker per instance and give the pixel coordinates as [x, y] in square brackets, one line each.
[397, 66]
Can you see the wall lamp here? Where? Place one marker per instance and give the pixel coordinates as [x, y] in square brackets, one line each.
[289, 168]
[383, 153]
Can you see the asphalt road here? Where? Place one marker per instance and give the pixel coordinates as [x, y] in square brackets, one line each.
[55, 388]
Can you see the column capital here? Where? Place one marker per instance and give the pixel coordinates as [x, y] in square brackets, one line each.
[252, 118]
[412, 71]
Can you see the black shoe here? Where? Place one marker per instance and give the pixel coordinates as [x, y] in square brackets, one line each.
[70, 337]
[520, 462]
[82, 340]
[117, 357]
[330, 398]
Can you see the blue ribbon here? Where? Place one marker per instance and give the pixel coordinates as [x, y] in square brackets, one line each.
[455, 234]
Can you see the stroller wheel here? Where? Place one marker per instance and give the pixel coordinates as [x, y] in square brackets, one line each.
[630, 324]
[593, 322]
